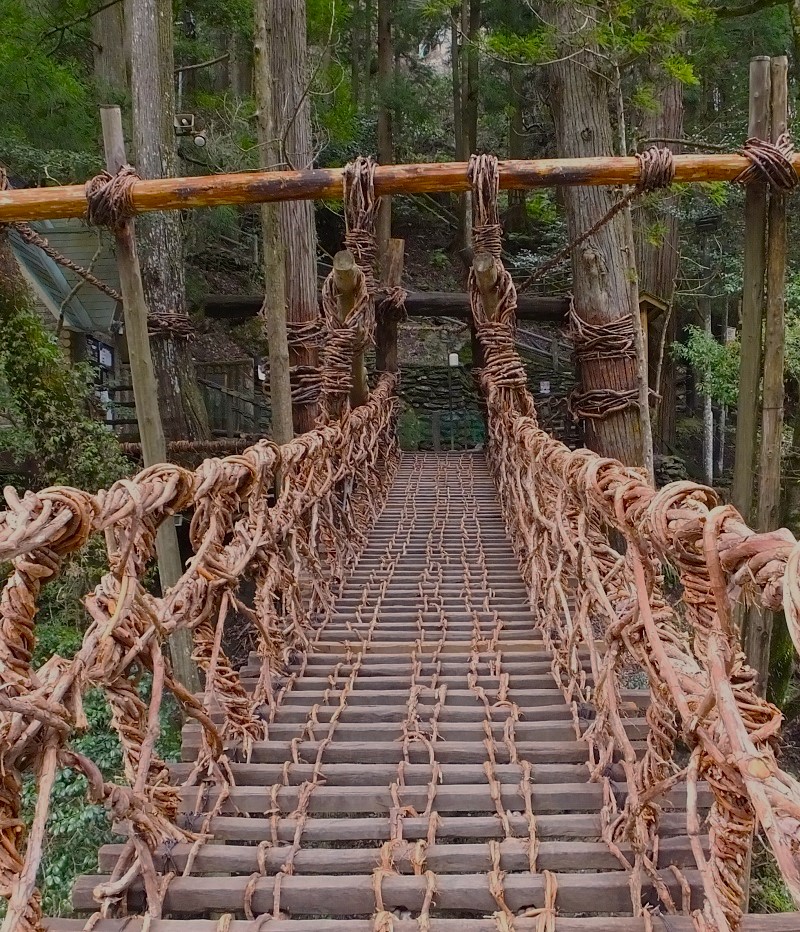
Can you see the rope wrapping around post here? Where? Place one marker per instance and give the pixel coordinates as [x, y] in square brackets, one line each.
[592, 342]
[493, 298]
[348, 298]
[109, 203]
[347, 308]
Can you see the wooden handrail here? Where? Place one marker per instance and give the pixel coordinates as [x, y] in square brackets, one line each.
[317, 183]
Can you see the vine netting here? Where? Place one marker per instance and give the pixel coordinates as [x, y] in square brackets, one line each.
[294, 544]
[592, 537]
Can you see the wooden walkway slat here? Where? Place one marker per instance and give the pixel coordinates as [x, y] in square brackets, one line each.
[441, 858]
[354, 895]
[779, 922]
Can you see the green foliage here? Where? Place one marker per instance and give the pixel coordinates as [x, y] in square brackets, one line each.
[768, 892]
[716, 365]
[540, 206]
[46, 108]
[680, 68]
[49, 401]
[537, 45]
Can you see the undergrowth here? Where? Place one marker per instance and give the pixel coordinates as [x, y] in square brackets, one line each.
[768, 892]
[76, 829]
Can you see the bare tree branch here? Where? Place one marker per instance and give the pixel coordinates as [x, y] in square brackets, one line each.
[64, 27]
[203, 64]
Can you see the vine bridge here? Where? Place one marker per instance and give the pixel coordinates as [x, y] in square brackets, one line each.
[470, 704]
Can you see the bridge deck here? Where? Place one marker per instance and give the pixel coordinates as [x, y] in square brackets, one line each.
[422, 759]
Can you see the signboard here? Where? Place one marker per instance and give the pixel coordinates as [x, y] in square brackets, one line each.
[544, 387]
[99, 353]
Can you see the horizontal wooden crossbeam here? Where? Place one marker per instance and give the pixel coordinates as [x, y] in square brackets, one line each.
[320, 183]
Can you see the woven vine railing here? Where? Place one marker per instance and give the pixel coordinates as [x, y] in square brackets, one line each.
[291, 519]
[593, 537]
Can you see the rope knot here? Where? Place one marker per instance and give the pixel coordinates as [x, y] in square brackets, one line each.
[360, 210]
[656, 169]
[770, 163]
[109, 198]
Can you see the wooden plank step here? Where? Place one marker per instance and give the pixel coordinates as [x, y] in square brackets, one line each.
[388, 751]
[539, 681]
[400, 648]
[377, 665]
[404, 616]
[354, 895]
[354, 714]
[557, 826]
[304, 693]
[449, 798]
[358, 774]
[636, 728]
[778, 922]
[394, 691]
[564, 856]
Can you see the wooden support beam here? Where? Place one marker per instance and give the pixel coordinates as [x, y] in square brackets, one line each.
[386, 327]
[326, 183]
[543, 308]
[755, 222]
[486, 275]
[345, 273]
[145, 390]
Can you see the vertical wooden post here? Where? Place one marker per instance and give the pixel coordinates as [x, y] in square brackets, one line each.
[486, 274]
[345, 273]
[386, 329]
[755, 215]
[554, 357]
[758, 629]
[145, 391]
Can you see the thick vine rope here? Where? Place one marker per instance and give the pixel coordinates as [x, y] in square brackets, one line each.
[565, 511]
[333, 482]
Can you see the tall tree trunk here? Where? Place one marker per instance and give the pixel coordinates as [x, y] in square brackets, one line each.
[182, 410]
[291, 100]
[722, 413]
[366, 77]
[356, 52]
[471, 87]
[464, 58]
[240, 66]
[385, 141]
[604, 267]
[274, 309]
[794, 20]
[657, 264]
[516, 220]
[455, 73]
[111, 50]
[708, 409]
